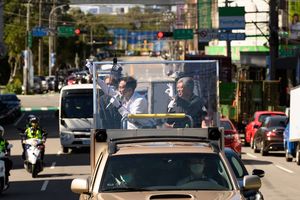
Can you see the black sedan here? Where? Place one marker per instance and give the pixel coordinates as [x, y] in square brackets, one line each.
[269, 137]
[240, 171]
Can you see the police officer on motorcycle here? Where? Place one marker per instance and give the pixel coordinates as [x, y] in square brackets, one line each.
[5, 148]
[33, 130]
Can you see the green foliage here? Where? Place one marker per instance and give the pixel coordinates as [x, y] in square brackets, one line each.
[14, 87]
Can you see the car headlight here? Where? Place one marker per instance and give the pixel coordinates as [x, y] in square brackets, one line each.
[65, 135]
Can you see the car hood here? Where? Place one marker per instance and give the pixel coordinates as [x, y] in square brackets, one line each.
[172, 195]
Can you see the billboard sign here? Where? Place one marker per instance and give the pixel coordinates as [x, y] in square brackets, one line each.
[294, 19]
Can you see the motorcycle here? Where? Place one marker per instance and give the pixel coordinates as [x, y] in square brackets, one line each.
[4, 181]
[33, 162]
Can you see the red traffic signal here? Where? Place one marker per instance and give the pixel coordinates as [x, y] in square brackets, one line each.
[77, 31]
[161, 34]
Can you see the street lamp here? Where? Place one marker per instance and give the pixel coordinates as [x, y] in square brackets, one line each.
[51, 37]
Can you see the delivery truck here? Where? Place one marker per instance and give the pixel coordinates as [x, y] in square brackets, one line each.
[292, 131]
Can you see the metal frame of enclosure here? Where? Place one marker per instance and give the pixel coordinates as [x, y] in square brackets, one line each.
[210, 68]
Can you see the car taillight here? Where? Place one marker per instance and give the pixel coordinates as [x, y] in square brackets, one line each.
[271, 133]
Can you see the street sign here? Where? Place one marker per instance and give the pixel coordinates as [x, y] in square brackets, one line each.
[29, 39]
[232, 36]
[231, 18]
[39, 32]
[66, 31]
[206, 35]
[183, 34]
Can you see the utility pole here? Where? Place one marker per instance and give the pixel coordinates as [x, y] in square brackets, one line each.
[40, 64]
[273, 40]
[27, 52]
[2, 46]
[228, 41]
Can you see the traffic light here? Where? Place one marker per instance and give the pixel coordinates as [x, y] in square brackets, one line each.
[79, 31]
[161, 34]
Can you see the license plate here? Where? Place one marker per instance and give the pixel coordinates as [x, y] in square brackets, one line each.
[86, 142]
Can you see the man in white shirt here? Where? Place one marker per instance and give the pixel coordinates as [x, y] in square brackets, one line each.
[133, 103]
[127, 101]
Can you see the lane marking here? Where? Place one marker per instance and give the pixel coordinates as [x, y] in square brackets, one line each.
[21, 117]
[44, 186]
[53, 165]
[284, 169]
[251, 155]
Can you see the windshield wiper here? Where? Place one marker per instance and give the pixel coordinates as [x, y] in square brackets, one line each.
[125, 189]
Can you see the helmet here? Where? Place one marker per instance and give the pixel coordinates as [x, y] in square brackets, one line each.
[1, 131]
[29, 117]
[34, 121]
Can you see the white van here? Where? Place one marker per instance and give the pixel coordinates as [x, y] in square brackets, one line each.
[75, 116]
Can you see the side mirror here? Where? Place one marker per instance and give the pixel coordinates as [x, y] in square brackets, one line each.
[80, 186]
[251, 182]
[258, 172]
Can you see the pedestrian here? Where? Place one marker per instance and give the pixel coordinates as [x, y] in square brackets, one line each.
[295, 27]
[186, 102]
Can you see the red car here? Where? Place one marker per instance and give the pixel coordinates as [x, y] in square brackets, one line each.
[258, 118]
[232, 138]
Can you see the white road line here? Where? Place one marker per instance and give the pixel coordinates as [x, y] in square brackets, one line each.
[44, 186]
[284, 169]
[53, 165]
[251, 155]
[22, 115]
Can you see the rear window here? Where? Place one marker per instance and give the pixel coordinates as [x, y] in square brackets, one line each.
[277, 122]
[181, 171]
[264, 116]
[226, 125]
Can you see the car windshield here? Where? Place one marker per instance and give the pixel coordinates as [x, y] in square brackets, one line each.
[180, 171]
[77, 105]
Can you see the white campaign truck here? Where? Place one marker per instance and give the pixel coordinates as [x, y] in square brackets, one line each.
[292, 132]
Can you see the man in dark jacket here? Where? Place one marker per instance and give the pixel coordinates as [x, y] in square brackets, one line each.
[186, 102]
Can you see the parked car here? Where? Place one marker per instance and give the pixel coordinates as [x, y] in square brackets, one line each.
[256, 122]
[51, 82]
[240, 171]
[13, 103]
[269, 137]
[8, 114]
[44, 84]
[231, 135]
[40, 84]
